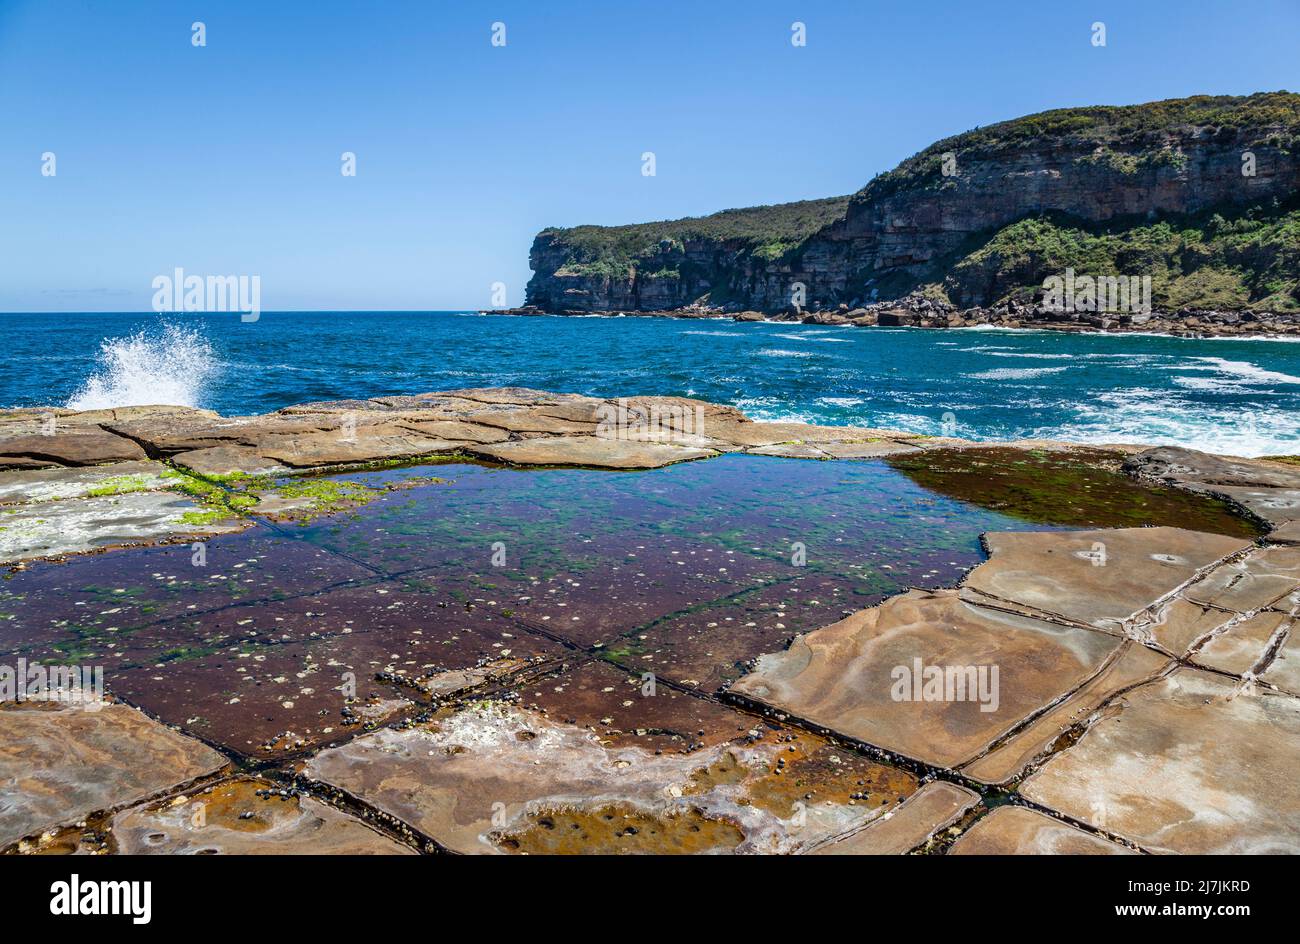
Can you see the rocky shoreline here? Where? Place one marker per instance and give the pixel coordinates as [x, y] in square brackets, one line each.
[1150, 675]
[921, 312]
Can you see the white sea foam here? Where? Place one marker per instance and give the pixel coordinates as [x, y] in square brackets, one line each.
[1031, 355]
[1211, 384]
[778, 352]
[170, 365]
[1162, 417]
[1015, 373]
[1246, 371]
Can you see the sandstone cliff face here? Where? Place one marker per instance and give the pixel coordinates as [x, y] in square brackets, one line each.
[891, 240]
[907, 227]
[673, 276]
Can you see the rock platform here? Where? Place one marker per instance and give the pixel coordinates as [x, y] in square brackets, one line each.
[1146, 696]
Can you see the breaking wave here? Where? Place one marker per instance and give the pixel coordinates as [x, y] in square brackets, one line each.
[1155, 417]
[171, 365]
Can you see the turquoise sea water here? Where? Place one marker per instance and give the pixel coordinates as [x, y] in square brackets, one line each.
[1235, 396]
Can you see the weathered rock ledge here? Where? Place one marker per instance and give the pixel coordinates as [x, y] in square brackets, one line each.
[920, 312]
[72, 482]
[1149, 676]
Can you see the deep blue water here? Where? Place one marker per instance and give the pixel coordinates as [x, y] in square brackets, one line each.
[1236, 396]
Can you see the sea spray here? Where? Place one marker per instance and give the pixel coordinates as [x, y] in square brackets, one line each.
[170, 365]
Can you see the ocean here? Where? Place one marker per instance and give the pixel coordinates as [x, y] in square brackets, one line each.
[1232, 396]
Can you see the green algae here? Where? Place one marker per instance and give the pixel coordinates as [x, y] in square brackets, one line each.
[328, 496]
[218, 501]
[1080, 488]
[200, 519]
[120, 485]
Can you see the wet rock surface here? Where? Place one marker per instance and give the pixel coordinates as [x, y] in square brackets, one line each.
[27, 487]
[728, 655]
[60, 528]
[1268, 489]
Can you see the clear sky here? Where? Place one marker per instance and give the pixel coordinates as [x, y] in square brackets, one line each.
[225, 159]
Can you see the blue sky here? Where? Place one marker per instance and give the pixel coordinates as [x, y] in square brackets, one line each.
[225, 159]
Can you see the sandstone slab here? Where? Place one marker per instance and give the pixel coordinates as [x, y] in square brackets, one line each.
[457, 431]
[66, 447]
[789, 451]
[1262, 578]
[245, 816]
[1188, 466]
[1284, 670]
[491, 778]
[1277, 506]
[751, 433]
[625, 709]
[60, 763]
[866, 450]
[1189, 763]
[274, 676]
[925, 813]
[863, 677]
[1007, 760]
[1241, 644]
[366, 444]
[530, 421]
[509, 396]
[170, 434]
[1096, 578]
[589, 451]
[1017, 830]
[228, 460]
[1177, 625]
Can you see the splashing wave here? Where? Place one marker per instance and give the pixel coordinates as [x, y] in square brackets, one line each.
[171, 365]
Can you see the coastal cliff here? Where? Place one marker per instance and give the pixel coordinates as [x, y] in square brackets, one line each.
[1198, 193]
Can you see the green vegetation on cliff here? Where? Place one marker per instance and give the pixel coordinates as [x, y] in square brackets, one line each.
[1125, 136]
[766, 232]
[1246, 260]
[1160, 189]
